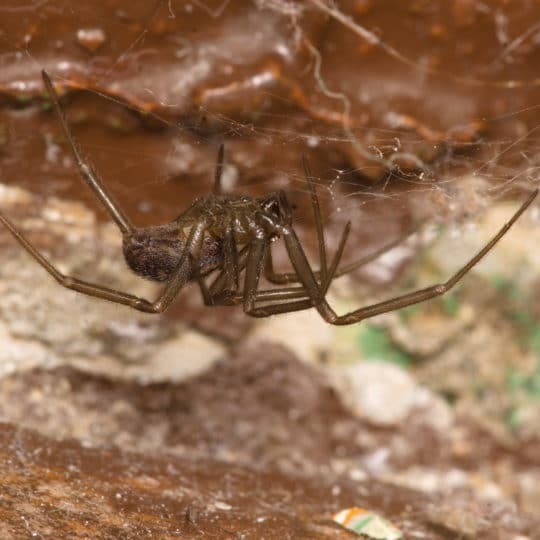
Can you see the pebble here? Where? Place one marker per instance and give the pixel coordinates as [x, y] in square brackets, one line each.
[382, 393]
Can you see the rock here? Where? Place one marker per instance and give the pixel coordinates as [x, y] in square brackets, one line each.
[382, 393]
[309, 337]
[56, 326]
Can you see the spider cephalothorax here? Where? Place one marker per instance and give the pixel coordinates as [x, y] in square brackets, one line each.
[229, 237]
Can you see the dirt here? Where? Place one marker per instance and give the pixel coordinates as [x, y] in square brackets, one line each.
[258, 447]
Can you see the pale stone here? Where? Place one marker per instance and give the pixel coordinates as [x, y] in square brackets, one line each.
[380, 392]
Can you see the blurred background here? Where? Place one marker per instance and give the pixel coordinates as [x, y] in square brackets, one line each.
[419, 121]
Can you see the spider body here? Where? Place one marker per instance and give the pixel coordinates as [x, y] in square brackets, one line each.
[230, 237]
[155, 253]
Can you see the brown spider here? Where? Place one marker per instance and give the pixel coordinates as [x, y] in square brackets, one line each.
[231, 235]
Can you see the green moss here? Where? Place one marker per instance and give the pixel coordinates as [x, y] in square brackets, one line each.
[500, 282]
[406, 313]
[528, 383]
[534, 385]
[522, 318]
[533, 339]
[450, 303]
[515, 380]
[449, 396]
[374, 343]
[46, 105]
[513, 418]
[508, 287]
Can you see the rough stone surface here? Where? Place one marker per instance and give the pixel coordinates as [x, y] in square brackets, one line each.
[383, 394]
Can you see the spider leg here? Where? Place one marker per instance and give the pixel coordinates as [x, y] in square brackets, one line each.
[351, 267]
[219, 294]
[318, 220]
[232, 298]
[337, 258]
[283, 278]
[86, 170]
[292, 298]
[254, 265]
[230, 259]
[169, 293]
[227, 297]
[300, 263]
[415, 297]
[217, 189]
[228, 277]
[291, 277]
[183, 273]
[220, 282]
[258, 250]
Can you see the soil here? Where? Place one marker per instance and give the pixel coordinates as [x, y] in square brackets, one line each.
[258, 447]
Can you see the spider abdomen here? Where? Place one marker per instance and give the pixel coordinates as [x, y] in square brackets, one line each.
[152, 257]
[156, 256]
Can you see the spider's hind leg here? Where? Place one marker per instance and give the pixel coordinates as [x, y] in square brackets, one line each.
[73, 283]
[169, 293]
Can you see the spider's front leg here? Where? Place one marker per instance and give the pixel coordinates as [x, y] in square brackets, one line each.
[307, 277]
[289, 298]
[85, 169]
[255, 261]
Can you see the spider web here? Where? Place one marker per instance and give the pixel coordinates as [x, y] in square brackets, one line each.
[395, 133]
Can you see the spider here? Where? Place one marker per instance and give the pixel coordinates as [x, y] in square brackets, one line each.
[231, 236]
